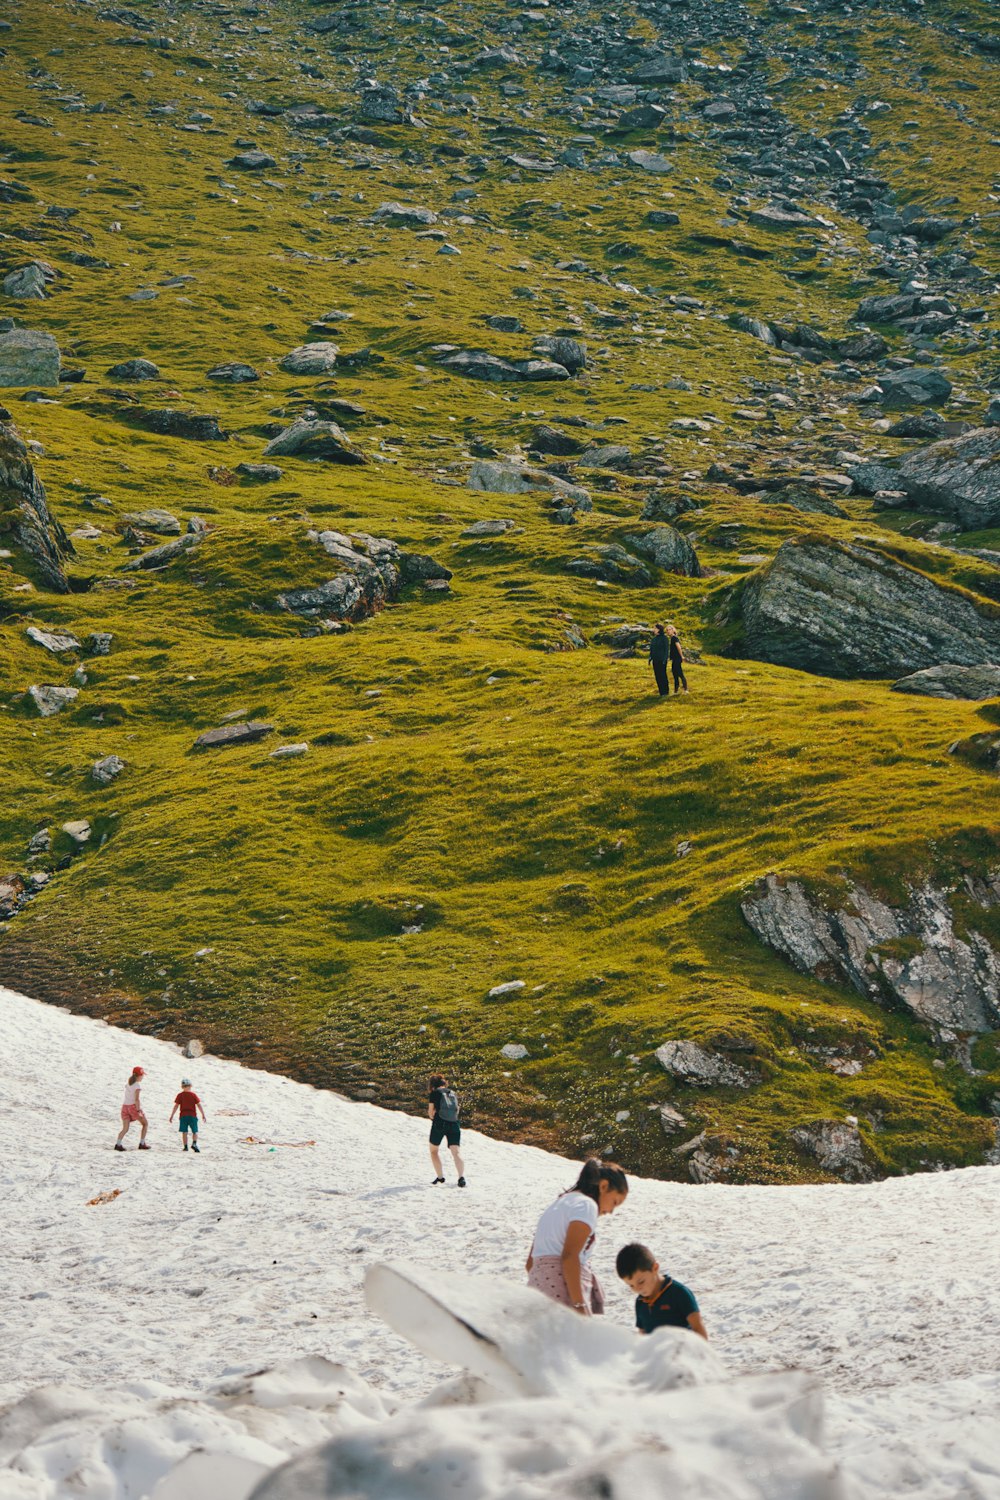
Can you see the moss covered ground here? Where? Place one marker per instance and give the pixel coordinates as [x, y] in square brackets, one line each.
[527, 811]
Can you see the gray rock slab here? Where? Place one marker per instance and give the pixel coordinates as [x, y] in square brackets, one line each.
[233, 734]
[51, 700]
[311, 359]
[52, 640]
[949, 681]
[28, 357]
[106, 769]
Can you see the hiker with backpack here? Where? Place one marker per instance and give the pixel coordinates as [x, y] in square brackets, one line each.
[443, 1112]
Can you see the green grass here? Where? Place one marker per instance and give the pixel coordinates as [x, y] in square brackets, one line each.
[529, 825]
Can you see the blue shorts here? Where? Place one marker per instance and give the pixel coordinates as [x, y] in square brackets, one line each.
[189, 1122]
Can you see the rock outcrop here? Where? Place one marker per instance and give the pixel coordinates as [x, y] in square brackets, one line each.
[909, 955]
[668, 549]
[960, 476]
[306, 438]
[28, 357]
[836, 1146]
[949, 681]
[372, 572]
[478, 365]
[693, 1064]
[847, 610]
[24, 514]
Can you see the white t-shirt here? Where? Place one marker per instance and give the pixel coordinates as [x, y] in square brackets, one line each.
[131, 1093]
[550, 1236]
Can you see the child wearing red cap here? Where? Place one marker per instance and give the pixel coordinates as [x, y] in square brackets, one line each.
[132, 1110]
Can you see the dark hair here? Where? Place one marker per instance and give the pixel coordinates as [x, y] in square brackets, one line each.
[632, 1258]
[438, 1080]
[659, 629]
[596, 1172]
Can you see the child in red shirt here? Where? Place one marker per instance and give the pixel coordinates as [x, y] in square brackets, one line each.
[189, 1104]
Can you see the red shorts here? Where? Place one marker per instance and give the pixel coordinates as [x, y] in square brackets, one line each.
[131, 1113]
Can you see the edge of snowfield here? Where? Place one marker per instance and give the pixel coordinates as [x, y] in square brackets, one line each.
[183, 1339]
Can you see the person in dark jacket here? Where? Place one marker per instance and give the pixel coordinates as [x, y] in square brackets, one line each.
[676, 661]
[659, 652]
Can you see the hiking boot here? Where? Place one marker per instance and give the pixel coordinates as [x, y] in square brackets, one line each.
[119, 1146]
[461, 1182]
[143, 1147]
[436, 1181]
[196, 1148]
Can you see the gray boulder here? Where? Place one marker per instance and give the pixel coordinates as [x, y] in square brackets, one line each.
[161, 557]
[958, 475]
[404, 216]
[611, 564]
[51, 640]
[488, 528]
[167, 421]
[836, 1146]
[27, 283]
[314, 439]
[28, 357]
[154, 519]
[668, 549]
[311, 359]
[106, 769]
[259, 473]
[913, 387]
[234, 373]
[846, 610]
[25, 516]
[500, 477]
[252, 161]
[605, 456]
[570, 353]
[476, 364]
[693, 1064]
[981, 751]
[949, 681]
[372, 571]
[948, 980]
[233, 734]
[51, 700]
[781, 219]
[659, 69]
[651, 161]
[135, 369]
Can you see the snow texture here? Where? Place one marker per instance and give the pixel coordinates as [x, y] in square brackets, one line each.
[178, 1326]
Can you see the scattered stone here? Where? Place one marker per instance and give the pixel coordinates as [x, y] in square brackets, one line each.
[498, 477]
[106, 769]
[650, 161]
[28, 358]
[78, 829]
[671, 1120]
[507, 990]
[252, 161]
[99, 643]
[194, 1048]
[570, 353]
[289, 752]
[167, 422]
[161, 557]
[52, 700]
[475, 364]
[488, 528]
[836, 1146]
[135, 369]
[259, 473]
[29, 282]
[311, 359]
[781, 219]
[233, 734]
[404, 216]
[913, 387]
[314, 439]
[514, 1052]
[949, 681]
[41, 842]
[234, 373]
[692, 1064]
[51, 640]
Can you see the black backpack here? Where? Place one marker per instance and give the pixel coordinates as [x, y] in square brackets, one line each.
[448, 1105]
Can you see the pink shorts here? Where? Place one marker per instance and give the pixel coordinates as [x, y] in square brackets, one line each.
[131, 1113]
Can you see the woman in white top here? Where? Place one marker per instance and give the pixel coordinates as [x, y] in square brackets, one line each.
[132, 1111]
[559, 1262]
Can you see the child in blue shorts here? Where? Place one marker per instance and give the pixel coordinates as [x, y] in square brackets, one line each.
[189, 1104]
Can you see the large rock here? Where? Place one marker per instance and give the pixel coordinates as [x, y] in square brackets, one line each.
[233, 734]
[372, 571]
[908, 955]
[693, 1064]
[404, 216]
[836, 1146]
[913, 387]
[478, 365]
[958, 475]
[106, 769]
[27, 283]
[52, 640]
[499, 477]
[135, 369]
[161, 557]
[28, 357]
[849, 611]
[24, 513]
[949, 681]
[311, 359]
[668, 549]
[314, 439]
[165, 421]
[570, 353]
[49, 699]
[611, 564]
[163, 522]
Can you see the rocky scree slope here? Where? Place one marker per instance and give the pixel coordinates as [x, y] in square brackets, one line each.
[373, 380]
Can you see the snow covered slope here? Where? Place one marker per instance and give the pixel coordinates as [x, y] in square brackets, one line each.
[205, 1268]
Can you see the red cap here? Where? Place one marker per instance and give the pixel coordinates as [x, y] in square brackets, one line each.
[141, 1071]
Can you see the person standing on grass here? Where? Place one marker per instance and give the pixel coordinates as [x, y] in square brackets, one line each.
[559, 1262]
[676, 661]
[659, 651]
[189, 1104]
[132, 1110]
[443, 1112]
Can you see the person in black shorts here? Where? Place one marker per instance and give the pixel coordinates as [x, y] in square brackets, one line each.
[660, 1301]
[443, 1111]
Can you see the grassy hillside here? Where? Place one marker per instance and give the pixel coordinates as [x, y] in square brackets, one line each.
[528, 810]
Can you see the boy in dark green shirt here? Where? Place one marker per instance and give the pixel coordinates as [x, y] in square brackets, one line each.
[660, 1302]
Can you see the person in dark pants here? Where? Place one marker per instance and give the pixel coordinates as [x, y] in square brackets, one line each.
[659, 652]
[676, 662]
